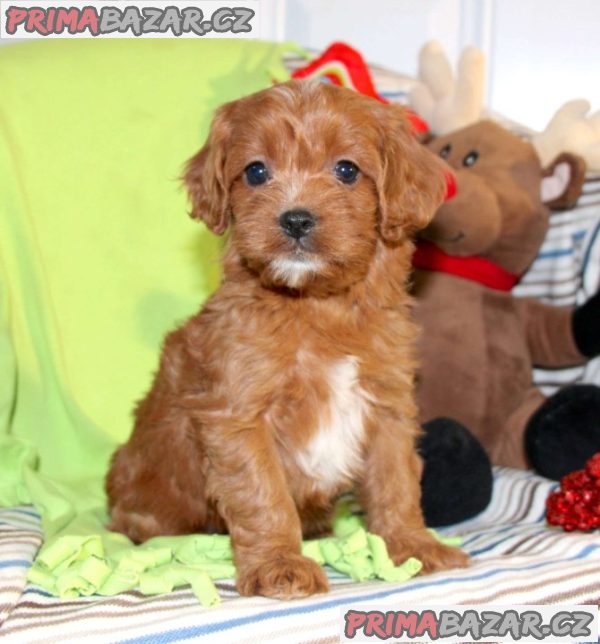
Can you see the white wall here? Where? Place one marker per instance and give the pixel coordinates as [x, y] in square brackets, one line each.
[389, 32]
[540, 52]
[543, 54]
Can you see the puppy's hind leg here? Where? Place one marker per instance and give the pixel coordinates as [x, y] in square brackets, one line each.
[155, 485]
[316, 518]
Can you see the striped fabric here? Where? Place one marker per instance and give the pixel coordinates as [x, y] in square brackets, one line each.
[20, 539]
[516, 559]
[567, 272]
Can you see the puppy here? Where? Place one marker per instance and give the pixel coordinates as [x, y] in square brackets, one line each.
[294, 383]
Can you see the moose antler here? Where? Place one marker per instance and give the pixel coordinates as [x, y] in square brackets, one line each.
[571, 130]
[444, 102]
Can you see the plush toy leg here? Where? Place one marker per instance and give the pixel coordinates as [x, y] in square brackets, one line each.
[457, 476]
[565, 431]
[585, 327]
[508, 449]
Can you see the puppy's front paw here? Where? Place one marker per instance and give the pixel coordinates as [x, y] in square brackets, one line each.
[433, 555]
[284, 577]
[438, 556]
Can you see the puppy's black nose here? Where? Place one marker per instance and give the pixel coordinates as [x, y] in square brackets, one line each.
[297, 223]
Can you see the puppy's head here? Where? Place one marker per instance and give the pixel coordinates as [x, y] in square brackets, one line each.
[311, 178]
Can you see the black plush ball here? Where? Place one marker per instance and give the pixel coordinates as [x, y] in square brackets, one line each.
[565, 431]
[457, 476]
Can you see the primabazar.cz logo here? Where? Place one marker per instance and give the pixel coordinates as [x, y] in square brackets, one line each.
[127, 19]
[449, 624]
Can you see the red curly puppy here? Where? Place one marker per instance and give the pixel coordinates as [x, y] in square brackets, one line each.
[294, 383]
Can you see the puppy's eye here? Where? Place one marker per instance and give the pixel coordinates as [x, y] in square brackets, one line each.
[346, 171]
[256, 173]
[445, 151]
[470, 159]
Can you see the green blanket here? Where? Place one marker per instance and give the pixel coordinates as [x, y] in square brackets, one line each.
[97, 262]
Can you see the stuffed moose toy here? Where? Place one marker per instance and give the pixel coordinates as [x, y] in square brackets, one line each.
[479, 342]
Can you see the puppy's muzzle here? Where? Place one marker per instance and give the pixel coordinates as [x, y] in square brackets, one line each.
[297, 223]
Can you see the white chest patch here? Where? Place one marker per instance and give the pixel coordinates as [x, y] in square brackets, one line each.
[334, 453]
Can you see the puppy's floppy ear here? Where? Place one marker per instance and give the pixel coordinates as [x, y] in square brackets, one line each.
[411, 183]
[205, 175]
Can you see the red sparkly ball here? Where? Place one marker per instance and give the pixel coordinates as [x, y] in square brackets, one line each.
[592, 467]
[576, 506]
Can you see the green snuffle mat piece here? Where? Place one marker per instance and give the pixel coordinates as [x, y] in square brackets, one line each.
[76, 566]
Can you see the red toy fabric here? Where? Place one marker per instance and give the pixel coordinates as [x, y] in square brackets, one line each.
[477, 269]
[343, 65]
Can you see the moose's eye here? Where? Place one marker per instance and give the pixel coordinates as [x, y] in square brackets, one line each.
[445, 151]
[256, 173]
[346, 171]
[470, 159]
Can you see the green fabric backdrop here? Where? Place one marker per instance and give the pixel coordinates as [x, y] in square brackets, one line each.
[97, 256]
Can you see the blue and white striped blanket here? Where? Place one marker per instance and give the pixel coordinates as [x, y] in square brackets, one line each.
[567, 272]
[517, 559]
